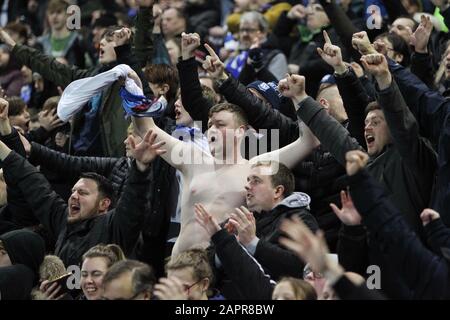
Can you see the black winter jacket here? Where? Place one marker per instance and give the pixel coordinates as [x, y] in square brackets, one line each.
[432, 111]
[275, 259]
[426, 275]
[62, 164]
[16, 214]
[438, 236]
[270, 259]
[157, 216]
[120, 225]
[248, 279]
[405, 168]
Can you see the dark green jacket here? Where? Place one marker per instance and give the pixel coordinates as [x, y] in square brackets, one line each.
[113, 126]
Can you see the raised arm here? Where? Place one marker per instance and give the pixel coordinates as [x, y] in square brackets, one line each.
[128, 217]
[441, 201]
[64, 164]
[143, 41]
[444, 7]
[342, 24]
[428, 106]
[313, 250]
[9, 135]
[294, 152]
[401, 122]
[285, 24]
[350, 88]
[179, 154]
[421, 60]
[191, 90]
[395, 9]
[426, 274]
[293, 87]
[48, 207]
[331, 134]
[261, 116]
[58, 73]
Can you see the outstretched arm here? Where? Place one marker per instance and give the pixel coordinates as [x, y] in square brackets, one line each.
[127, 221]
[425, 273]
[293, 87]
[58, 73]
[67, 165]
[48, 207]
[179, 153]
[294, 152]
[312, 249]
[428, 106]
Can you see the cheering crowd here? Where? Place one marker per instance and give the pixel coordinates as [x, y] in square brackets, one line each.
[224, 150]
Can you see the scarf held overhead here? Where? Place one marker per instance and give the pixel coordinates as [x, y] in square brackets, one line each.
[79, 92]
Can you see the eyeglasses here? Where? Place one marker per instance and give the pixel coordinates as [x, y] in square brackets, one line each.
[187, 288]
[308, 273]
[248, 30]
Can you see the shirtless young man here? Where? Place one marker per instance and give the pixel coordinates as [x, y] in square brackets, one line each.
[217, 179]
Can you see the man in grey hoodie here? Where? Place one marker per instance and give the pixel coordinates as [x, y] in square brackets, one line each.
[270, 198]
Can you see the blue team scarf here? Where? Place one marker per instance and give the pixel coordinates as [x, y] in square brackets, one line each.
[235, 66]
[141, 106]
[182, 130]
[193, 134]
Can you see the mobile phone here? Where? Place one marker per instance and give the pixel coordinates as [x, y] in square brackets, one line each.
[62, 282]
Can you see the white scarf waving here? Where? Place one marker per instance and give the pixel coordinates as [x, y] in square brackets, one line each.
[79, 92]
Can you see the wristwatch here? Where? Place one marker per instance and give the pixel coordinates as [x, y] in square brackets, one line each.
[341, 75]
[219, 82]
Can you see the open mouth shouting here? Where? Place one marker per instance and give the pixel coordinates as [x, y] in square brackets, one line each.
[370, 140]
[74, 209]
[447, 67]
[177, 114]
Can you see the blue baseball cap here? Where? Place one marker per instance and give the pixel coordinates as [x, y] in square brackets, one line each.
[328, 79]
[269, 90]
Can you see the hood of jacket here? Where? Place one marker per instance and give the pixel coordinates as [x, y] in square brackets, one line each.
[267, 221]
[24, 247]
[295, 200]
